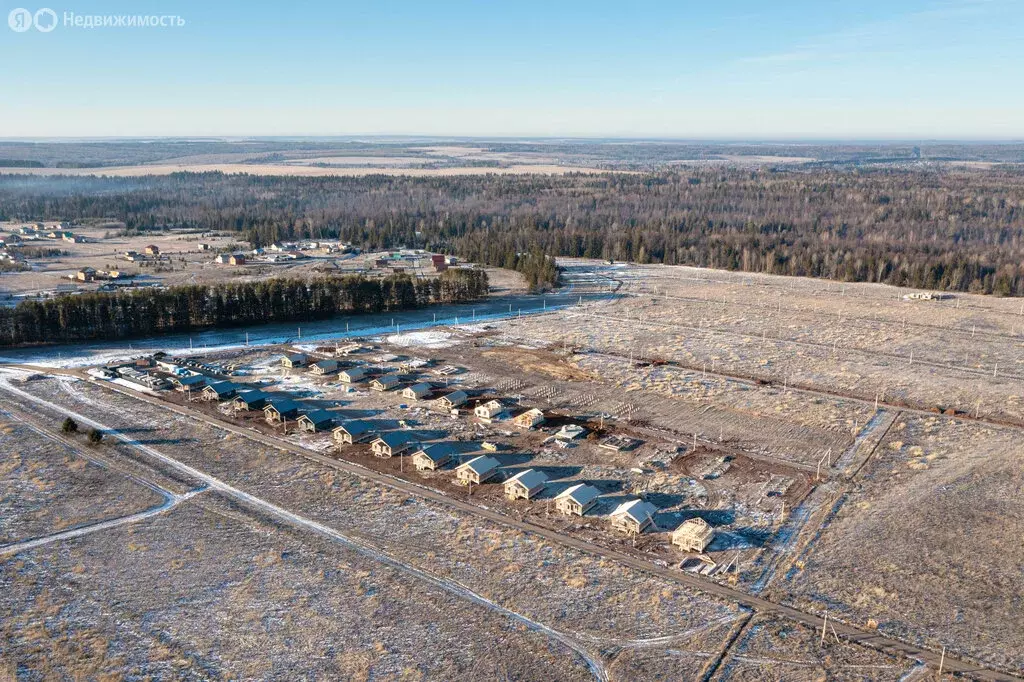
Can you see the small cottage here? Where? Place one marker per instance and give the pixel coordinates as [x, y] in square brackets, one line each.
[316, 421]
[525, 484]
[476, 470]
[250, 400]
[432, 457]
[385, 383]
[281, 409]
[295, 360]
[392, 443]
[418, 391]
[353, 375]
[353, 431]
[633, 517]
[452, 400]
[577, 500]
[324, 367]
[195, 382]
[220, 390]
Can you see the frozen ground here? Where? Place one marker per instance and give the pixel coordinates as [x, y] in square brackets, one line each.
[46, 486]
[928, 546]
[911, 527]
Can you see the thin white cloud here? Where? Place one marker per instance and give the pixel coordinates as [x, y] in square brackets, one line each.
[897, 32]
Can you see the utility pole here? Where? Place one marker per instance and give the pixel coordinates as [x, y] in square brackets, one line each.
[942, 661]
[823, 626]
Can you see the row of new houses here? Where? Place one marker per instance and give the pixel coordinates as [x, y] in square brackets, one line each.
[633, 516]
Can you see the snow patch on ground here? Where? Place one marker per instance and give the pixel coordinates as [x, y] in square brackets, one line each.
[423, 339]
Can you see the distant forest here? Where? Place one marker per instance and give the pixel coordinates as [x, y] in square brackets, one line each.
[147, 312]
[947, 228]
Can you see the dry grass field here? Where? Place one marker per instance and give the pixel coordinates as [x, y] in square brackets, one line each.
[46, 486]
[210, 591]
[753, 401]
[928, 543]
[771, 649]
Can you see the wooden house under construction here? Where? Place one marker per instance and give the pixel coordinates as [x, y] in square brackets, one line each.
[530, 419]
[694, 535]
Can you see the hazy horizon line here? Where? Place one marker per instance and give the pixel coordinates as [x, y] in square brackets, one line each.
[895, 139]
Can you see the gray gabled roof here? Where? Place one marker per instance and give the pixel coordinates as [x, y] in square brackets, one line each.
[456, 397]
[297, 357]
[421, 388]
[355, 427]
[530, 478]
[481, 465]
[222, 387]
[638, 510]
[252, 396]
[284, 405]
[581, 493]
[319, 417]
[395, 438]
[437, 451]
[326, 364]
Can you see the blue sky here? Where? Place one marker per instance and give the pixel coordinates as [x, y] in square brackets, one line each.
[726, 69]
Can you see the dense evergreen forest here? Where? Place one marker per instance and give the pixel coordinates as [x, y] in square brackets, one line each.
[146, 312]
[936, 228]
